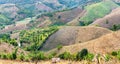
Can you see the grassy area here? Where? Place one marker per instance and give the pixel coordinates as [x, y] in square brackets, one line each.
[98, 10]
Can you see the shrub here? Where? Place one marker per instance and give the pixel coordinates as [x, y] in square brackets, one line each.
[27, 58]
[80, 55]
[21, 57]
[13, 42]
[40, 56]
[107, 57]
[118, 55]
[59, 47]
[13, 56]
[65, 55]
[51, 55]
[3, 56]
[89, 57]
[114, 53]
[36, 56]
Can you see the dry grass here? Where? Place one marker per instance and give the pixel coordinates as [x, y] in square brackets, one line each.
[102, 45]
[71, 34]
[45, 62]
[61, 62]
[75, 21]
[67, 16]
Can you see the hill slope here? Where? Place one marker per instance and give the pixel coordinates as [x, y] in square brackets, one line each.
[102, 45]
[98, 10]
[56, 18]
[71, 35]
[109, 20]
[95, 11]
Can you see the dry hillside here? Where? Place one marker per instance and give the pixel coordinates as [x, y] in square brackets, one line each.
[67, 16]
[102, 45]
[71, 34]
[8, 48]
[109, 20]
[75, 21]
[60, 17]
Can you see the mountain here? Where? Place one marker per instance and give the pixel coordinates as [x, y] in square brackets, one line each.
[21, 9]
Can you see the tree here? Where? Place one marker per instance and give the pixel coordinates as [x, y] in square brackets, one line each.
[80, 55]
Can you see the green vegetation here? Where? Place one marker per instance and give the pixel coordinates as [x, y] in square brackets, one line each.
[59, 47]
[89, 57]
[6, 38]
[107, 57]
[82, 54]
[36, 38]
[66, 56]
[115, 27]
[25, 11]
[33, 56]
[97, 10]
[116, 54]
[4, 20]
[11, 56]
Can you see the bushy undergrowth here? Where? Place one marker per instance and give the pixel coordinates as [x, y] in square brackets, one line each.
[82, 55]
[6, 38]
[116, 54]
[36, 38]
[11, 56]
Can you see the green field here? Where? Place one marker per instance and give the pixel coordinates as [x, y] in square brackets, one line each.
[98, 10]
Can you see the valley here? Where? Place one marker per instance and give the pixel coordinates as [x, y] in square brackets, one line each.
[68, 31]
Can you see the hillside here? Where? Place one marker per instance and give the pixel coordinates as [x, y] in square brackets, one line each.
[55, 18]
[73, 34]
[20, 25]
[96, 11]
[104, 44]
[69, 31]
[8, 48]
[109, 20]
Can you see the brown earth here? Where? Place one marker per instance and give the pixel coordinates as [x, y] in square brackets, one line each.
[104, 44]
[73, 34]
[109, 20]
[75, 21]
[7, 48]
[67, 16]
[61, 62]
